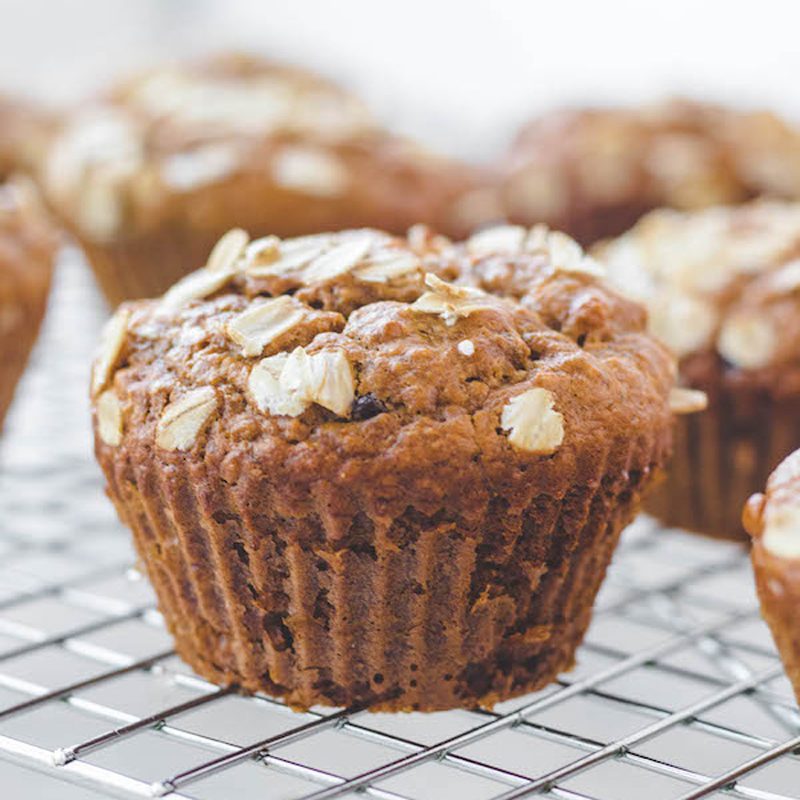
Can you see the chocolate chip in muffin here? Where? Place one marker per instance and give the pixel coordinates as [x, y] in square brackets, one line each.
[366, 407]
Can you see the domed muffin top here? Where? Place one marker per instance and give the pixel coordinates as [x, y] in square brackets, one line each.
[722, 278]
[116, 162]
[773, 518]
[679, 154]
[335, 353]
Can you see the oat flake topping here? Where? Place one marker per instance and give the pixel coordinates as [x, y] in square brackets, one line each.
[532, 421]
[563, 252]
[450, 301]
[111, 342]
[261, 324]
[109, 418]
[183, 419]
[288, 383]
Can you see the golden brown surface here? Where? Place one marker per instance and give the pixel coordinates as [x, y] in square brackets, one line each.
[149, 177]
[27, 250]
[773, 520]
[721, 287]
[594, 172]
[418, 510]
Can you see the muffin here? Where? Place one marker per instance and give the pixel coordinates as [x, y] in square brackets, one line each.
[150, 176]
[385, 471]
[594, 172]
[773, 520]
[722, 287]
[27, 251]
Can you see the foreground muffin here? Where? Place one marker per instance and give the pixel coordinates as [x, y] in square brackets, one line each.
[353, 481]
[150, 177]
[594, 172]
[27, 251]
[722, 288]
[773, 520]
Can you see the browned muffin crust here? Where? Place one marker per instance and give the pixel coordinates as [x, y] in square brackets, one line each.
[594, 172]
[721, 288]
[27, 251]
[773, 520]
[150, 176]
[375, 486]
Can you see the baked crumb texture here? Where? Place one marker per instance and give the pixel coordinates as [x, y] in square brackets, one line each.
[773, 520]
[149, 176]
[339, 501]
[27, 251]
[722, 288]
[594, 172]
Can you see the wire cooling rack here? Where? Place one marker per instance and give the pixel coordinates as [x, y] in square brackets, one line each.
[678, 692]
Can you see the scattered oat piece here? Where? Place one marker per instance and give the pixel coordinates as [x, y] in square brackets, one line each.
[466, 347]
[339, 260]
[261, 324]
[333, 385]
[227, 251]
[423, 239]
[292, 255]
[194, 286]
[532, 422]
[687, 401]
[109, 418]
[387, 266]
[287, 384]
[112, 340]
[567, 255]
[276, 388]
[262, 252]
[183, 419]
[450, 301]
[563, 252]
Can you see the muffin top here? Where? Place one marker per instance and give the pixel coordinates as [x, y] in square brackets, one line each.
[679, 154]
[773, 518]
[122, 162]
[722, 280]
[397, 365]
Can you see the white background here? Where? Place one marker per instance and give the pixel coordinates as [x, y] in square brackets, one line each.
[458, 73]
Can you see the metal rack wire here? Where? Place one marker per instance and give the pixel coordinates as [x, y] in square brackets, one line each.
[678, 692]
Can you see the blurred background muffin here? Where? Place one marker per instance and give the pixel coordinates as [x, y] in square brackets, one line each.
[593, 172]
[27, 250]
[150, 175]
[722, 287]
